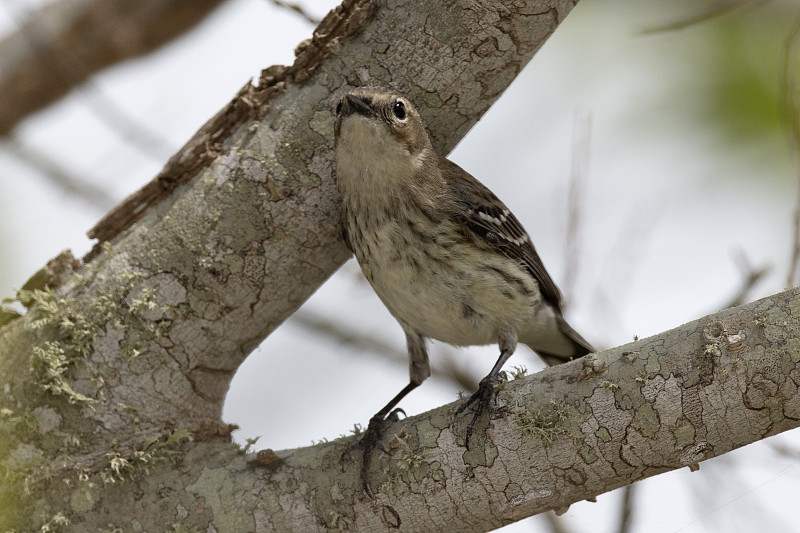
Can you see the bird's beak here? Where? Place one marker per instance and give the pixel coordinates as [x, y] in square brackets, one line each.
[357, 104]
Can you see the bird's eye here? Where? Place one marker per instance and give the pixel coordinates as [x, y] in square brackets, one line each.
[339, 107]
[399, 110]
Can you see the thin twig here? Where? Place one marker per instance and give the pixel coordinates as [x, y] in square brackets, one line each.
[297, 8]
[792, 114]
[57, 175]
[750, 278]
[784, 450]
[445, 368]
[718, 9]
[456, 372]
[555, 523]
[582, 128]
[626, 512]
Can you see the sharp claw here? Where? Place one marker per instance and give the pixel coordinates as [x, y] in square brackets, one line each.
[485, 396]
[375, 429]
[369, 442]
[394, 415]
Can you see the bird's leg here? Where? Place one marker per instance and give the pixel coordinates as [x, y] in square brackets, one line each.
[419, 369]
[485, 395]
[372, 435]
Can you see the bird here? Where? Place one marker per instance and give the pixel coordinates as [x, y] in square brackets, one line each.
[446, 257]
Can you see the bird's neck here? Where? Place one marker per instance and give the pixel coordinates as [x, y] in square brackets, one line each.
[375, 166]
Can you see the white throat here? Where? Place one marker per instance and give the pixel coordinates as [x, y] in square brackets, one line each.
[367, 155]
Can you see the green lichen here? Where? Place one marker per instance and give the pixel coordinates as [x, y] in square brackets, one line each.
[427, 434]
[49, 365]
[684, 434]
[56, 523]
[22, 425]
[653, 365]
[321, 123]
[393, 486]
[338, 521]
[603, 434]
[181, 528]
[646, 421]
[235, 263]
[587, 454]
[249, 443]
[8, 314]
[380, 47]
[66, 329]
[610, 385]
[544, 424]
[70, 335]
[22, 464]
[145, 300]
[432, 99]
[154, 450]
[775, 406]
[518, 372]
[410, 461]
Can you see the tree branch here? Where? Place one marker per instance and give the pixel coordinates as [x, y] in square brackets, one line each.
[117, 361]
[568, 433]
[565, 434]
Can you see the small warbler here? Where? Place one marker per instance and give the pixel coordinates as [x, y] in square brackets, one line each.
[443, 253]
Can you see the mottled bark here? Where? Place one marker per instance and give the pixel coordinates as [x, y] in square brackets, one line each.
[566, 434]
[119, 361]
[563, 435]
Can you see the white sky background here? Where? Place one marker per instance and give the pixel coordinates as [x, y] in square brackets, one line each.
[666, 203]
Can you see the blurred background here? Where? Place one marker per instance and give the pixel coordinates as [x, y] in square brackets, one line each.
[648, 148]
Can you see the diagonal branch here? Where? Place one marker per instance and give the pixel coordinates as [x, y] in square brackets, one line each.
[250, 104]
[568, 433]
[129, 353]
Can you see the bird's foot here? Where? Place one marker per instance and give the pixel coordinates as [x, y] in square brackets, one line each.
[370, 441]
[485, 396]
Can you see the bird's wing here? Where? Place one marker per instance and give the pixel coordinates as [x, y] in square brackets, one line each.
[495, 226]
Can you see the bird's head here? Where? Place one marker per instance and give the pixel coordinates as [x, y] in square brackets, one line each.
[376, 122]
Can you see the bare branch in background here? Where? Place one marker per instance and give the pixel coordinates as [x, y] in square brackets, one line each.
[555, 522]
[297, 8]
[791, 110]
[338, 333]
[784, 450]
[750, 277]
[444, 365]
[119, 122]
[581, 132]
[711, 12]
[57, 175]
[618, 270]
[626, 514]
[62, 44]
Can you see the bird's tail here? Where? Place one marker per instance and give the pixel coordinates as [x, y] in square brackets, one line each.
[559, 344]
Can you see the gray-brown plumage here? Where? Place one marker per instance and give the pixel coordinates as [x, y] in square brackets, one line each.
[444, 254]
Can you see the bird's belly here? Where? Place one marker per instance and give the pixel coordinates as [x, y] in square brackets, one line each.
[429, 294]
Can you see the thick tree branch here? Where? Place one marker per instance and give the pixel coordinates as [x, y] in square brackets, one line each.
[570, 432]
[118, 360]
[59, 46]
[565, 434]
[250, 104]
